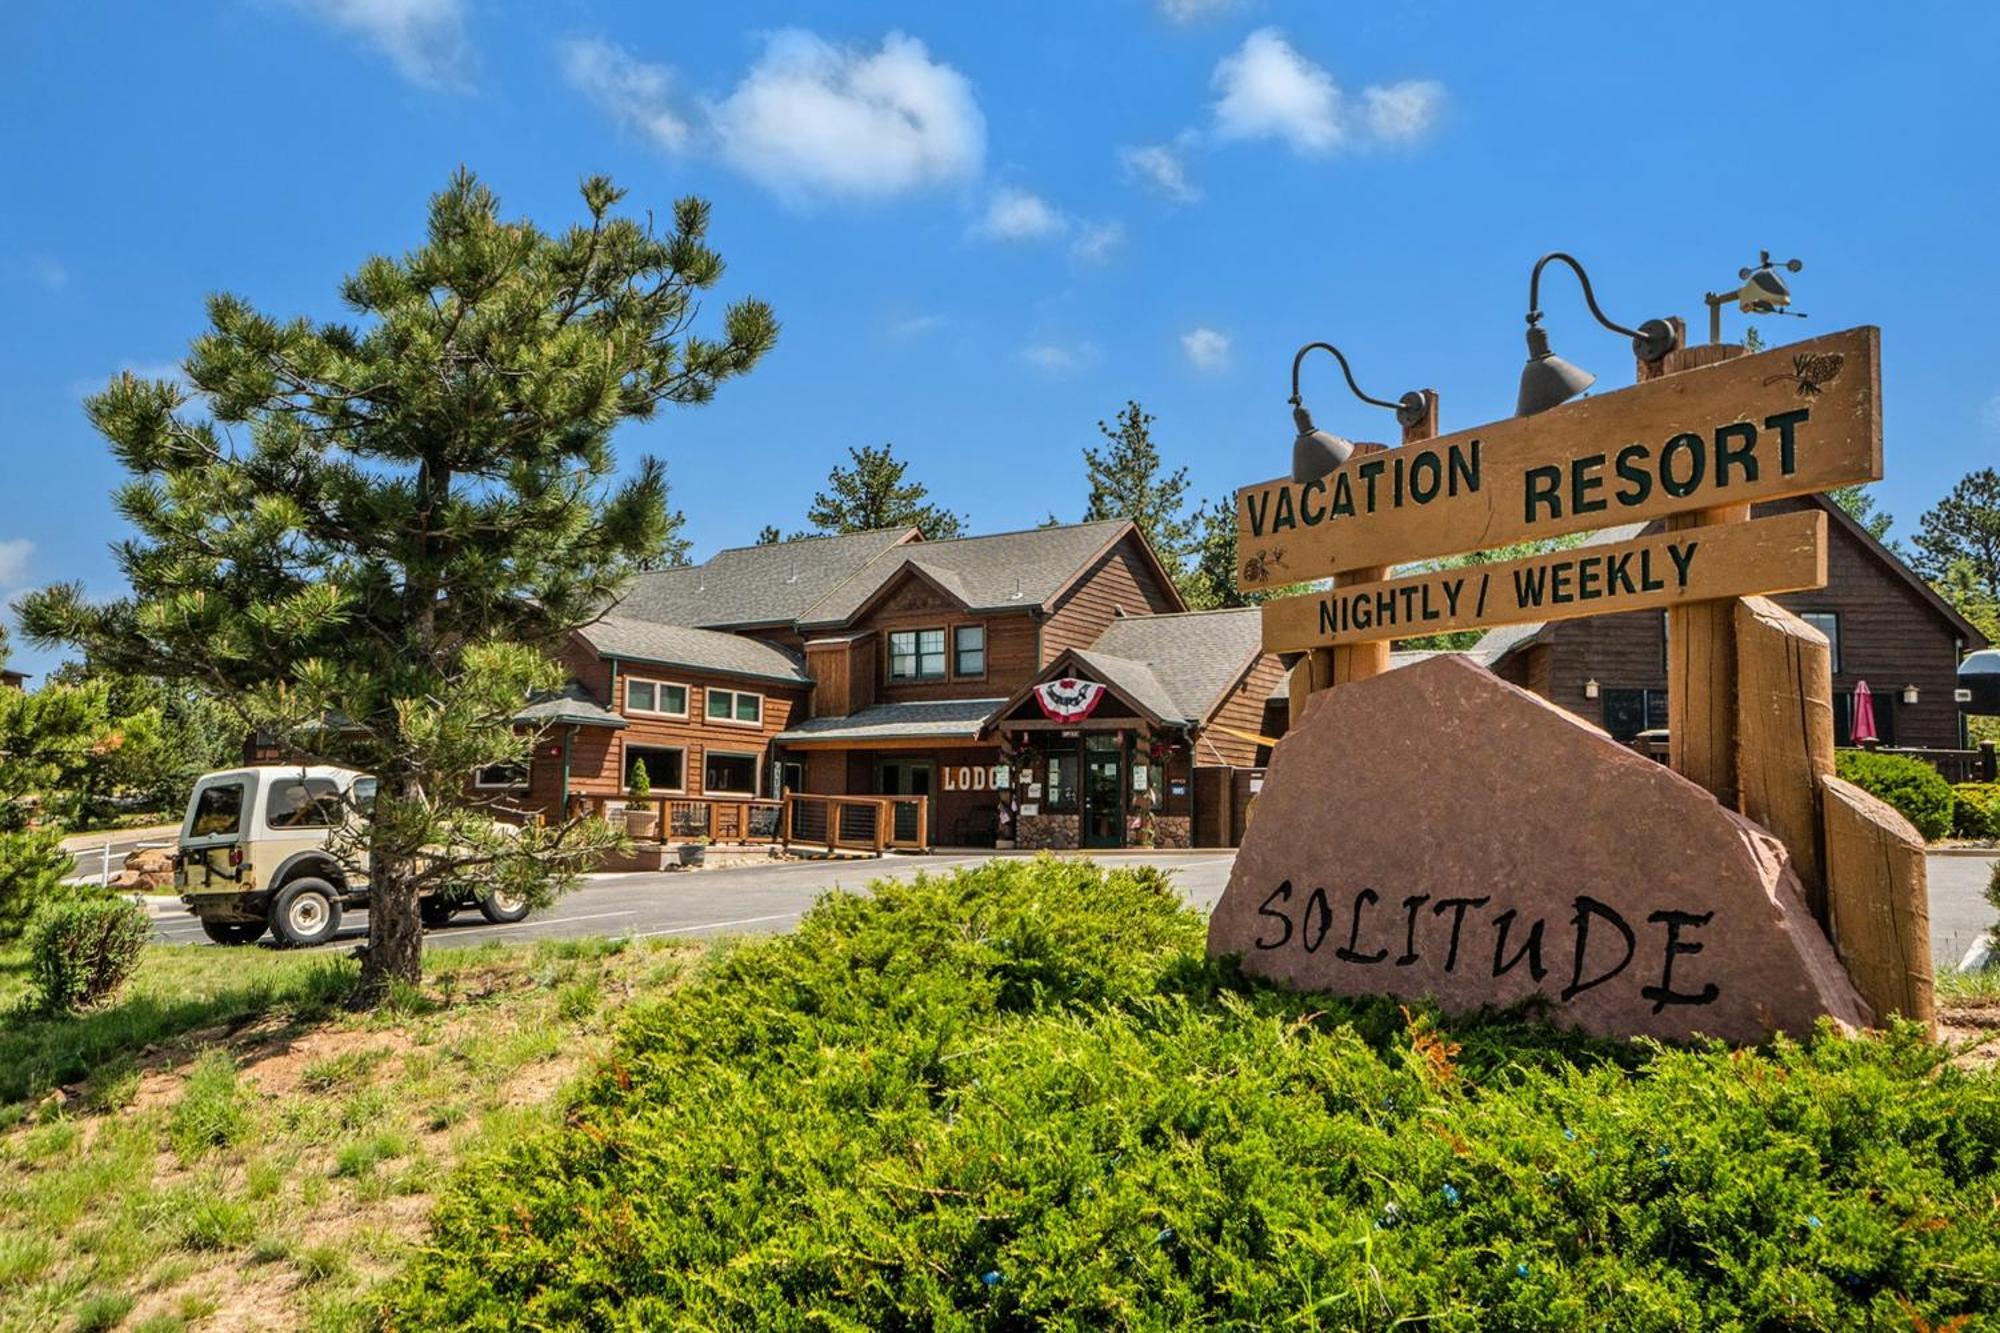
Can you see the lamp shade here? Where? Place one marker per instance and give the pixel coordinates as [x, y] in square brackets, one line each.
[1315, 452]
[1979, 677]
[1548, 380]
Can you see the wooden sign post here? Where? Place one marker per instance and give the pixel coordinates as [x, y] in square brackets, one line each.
[1701, 437]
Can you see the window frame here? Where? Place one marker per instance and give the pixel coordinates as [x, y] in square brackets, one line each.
[525, 768]
[625, 769]
[917, 655]
[1832, 640]
[658, 684]
[756, 772]
[1056, 799]
[735, 697]
[244, 810]
[958, 650]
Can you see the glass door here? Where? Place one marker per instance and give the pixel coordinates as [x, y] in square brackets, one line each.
[1103, 792]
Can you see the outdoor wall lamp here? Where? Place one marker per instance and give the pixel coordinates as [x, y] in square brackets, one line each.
[1909, 694]
[1590, 688]
[1318, 452]
[1547, 379]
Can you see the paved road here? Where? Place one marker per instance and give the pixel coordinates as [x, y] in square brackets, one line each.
[747, 899]
[771, 897]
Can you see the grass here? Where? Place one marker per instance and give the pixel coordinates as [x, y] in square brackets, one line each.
[233, 1144]
[1021, 1097]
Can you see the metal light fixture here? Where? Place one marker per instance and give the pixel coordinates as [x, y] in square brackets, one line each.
[1590, 688]
[1548, 380]
[1317, 452]
[1909, 694]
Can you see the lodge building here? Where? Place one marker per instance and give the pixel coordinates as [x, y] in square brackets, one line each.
[880, 663]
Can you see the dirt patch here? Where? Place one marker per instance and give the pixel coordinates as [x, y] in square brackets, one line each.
[1974, 1028]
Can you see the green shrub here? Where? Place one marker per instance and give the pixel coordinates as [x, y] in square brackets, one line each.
[82, 951]
[32, 867]
[1916, 789]
[1975, 810]
[1021, 1097]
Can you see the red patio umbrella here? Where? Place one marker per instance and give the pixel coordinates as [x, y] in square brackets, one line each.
[1863, 730]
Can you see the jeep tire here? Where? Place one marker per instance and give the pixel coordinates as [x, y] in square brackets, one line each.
[503, 908]
[304, 913]
[438, 910]
[233, 932]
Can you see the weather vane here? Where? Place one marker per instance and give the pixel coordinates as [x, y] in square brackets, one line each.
[1763, 292]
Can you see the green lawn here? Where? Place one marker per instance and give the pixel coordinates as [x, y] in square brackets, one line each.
[244, 1151]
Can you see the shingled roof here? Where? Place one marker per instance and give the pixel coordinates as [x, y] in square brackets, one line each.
[695, 650]
[755, 585]
[921, 719]
[1196, 656]
[1007, 570]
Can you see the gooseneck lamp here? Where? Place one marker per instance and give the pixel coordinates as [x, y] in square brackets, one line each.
[1547, 379]
[1317, 452]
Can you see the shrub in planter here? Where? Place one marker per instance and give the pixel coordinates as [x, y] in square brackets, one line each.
[82, 951]
[1911, 785]
[1975, 810]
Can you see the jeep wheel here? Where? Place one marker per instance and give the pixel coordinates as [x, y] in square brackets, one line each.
[437, 910]
[501, 907]
[233, 932]
[305, 912]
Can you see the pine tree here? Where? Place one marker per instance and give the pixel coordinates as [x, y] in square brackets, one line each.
[1859, 502]
[413, 510]
[872, 494]
[48, 737]
[1126, 481]
[1965, 525]
[768, 535]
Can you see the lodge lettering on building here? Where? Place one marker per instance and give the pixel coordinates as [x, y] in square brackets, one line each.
[1598, 946]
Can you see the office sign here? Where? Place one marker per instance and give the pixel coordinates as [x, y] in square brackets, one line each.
[1785, 553]
[1802, 418]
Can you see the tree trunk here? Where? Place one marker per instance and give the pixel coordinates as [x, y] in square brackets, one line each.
[395, 949]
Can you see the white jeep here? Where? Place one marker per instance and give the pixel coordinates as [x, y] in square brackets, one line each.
[256, 853]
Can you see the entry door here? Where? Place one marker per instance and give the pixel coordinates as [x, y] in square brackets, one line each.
[905, 777]
[1103, 793]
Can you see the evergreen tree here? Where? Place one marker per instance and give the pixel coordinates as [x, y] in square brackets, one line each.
[872, 494]
[1127, 481]
[769, 535]
[47, 738]
[1974, 600]
[413, 511]
[1965, 525]
[1859, 502]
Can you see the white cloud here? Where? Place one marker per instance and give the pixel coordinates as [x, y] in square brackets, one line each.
[1268, 90]
[810, 118]
[1059, 358]
[1190, 11]
[1017, 215]
[918, 324]
[1403, 112]
[630, 91]
[1097, 241]
[425, 38]
[16, 555]
[1206, 349]
[1161, 167]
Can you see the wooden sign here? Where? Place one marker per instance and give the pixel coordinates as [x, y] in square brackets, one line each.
[1781, 554]
[1802, 418]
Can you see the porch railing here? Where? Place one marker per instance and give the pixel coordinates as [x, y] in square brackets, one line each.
[1978, 765]
[685, 818]
[857, 823]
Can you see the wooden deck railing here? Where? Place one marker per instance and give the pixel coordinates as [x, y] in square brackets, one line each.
[837, 823]
[1956, 765]
[857, 823]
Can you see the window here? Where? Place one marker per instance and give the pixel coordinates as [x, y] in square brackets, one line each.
[917, 654]
[733, 774]
[217, 811]
[968, 646]
[502, 777]
[1827, 623]
[311, 803]
[1059, 793]
[666, 767]
[656, 697]
[1629, 712]
[735, 706]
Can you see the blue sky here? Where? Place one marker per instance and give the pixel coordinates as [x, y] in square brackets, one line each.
[985, 227]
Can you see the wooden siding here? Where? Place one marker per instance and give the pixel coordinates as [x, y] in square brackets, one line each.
[1242, 709]
[1122, 581]
[1889, 636]
[843, 672]
[916, 605]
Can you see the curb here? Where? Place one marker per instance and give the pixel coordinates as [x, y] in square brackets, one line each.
[1987, 853]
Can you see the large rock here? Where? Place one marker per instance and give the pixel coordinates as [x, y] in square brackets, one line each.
[1438, 832]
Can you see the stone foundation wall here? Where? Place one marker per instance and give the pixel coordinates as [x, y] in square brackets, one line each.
[1174, 831]
[1055, 832]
